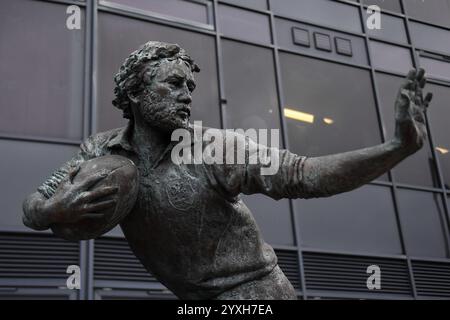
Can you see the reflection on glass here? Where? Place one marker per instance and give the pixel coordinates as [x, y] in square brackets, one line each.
[298, 115]
[439, 117]
[329, 107]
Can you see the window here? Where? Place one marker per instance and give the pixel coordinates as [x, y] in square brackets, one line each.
[255, 4]
[329, 108]
[431, 38]
[26, 165]
[250, 87]
[195, 11]
[439, 116]
[325, 12]
[41, 63]
[360, 220]
[421, 214]
[417, 169]
[391, 5]
[243, 24]
[389, 57]
[436, 67]
[436, 11]
[393, 29]
[119, 36]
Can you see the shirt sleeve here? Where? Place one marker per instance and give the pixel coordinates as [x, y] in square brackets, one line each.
[277, 173]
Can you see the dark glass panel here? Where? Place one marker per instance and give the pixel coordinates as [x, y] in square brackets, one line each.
[434, 11]
[325, 12]
[24, 166]
[244, 24]
[187, 10]
[362, 220]
[41, 63]
[421, 214]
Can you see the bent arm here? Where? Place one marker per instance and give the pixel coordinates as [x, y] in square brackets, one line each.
[37, 207]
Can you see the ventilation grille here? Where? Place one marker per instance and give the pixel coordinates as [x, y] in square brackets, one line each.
[432, 279]
[335, 272]
[36, 256]
[288, 262]
[114, 260]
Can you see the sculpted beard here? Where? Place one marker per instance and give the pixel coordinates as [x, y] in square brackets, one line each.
[162, 112]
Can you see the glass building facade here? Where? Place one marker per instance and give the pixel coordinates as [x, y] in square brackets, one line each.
[311, 68]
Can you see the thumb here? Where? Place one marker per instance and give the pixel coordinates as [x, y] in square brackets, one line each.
[73, 172]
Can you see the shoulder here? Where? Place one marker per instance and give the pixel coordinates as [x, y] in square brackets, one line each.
[98, 142]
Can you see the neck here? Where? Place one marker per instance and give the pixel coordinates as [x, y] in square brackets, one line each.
[148, 138]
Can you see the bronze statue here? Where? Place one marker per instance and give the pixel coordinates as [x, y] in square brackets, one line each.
[188, 226]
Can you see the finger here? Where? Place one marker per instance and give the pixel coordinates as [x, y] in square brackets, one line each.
[92, 180]
[427, 99]
[99, 206]
[92, 215]
[411, 74]
[422, 82]
[90, 196]
[420, 74]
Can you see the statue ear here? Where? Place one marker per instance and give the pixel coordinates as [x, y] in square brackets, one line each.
[133, 97]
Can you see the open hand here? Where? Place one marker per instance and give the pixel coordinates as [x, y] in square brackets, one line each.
[76, 201]
[410, 109]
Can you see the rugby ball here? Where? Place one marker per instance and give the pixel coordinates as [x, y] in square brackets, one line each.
[121, 173]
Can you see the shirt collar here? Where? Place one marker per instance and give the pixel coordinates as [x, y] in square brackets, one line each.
[122, 138]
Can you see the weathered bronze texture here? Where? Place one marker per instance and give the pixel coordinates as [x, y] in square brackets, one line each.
[189, 226]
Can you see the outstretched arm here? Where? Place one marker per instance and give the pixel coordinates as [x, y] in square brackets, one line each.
[332, 174]
[304, 177]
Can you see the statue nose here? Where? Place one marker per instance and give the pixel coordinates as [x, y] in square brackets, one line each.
[185, 98]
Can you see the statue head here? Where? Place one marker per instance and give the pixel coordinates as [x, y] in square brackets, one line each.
[155, 83]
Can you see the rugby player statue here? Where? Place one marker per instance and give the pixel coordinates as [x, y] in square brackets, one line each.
[186, 222]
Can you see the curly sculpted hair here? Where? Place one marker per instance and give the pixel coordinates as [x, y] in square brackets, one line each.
[129, 79]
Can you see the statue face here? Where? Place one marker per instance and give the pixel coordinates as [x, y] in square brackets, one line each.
[166, 101]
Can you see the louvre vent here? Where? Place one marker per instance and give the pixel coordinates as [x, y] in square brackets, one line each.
[114, 260]
[288, 262]
[347, 273]
[432, 278]
[36, 256]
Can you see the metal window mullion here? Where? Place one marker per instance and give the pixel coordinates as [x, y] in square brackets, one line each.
[283, 127]
[219, 64]
[390, 173]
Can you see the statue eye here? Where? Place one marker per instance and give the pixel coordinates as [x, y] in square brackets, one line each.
[191, 86]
